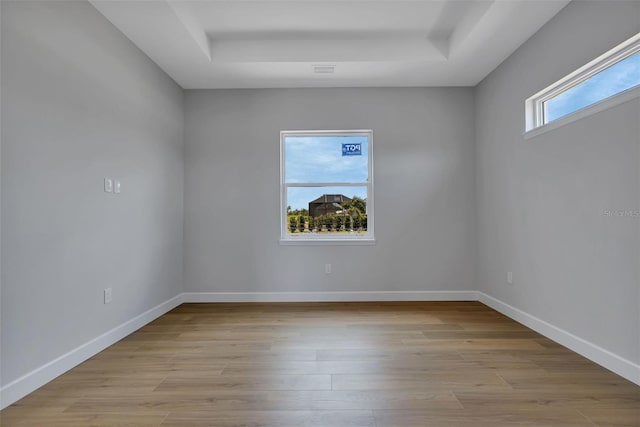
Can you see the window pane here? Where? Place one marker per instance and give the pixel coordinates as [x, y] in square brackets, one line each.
[619, 77]
[326, 211]
[321, 158]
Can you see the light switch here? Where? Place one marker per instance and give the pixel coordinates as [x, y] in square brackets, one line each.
[108, 185]
[116, 186]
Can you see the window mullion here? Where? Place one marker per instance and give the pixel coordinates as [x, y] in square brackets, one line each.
[326, 184]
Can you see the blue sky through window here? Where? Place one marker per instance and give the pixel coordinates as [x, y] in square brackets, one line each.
[314, 159]
[610, 81]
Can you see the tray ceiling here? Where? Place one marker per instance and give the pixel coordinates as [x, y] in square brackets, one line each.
[309, 43]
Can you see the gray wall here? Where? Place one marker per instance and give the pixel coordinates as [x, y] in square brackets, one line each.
[541, 201]
[424, 192]
[80, 103]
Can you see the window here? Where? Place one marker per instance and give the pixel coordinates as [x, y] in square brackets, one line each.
[608, 80]
[326, 186]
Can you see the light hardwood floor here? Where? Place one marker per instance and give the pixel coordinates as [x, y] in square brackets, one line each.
[333, 364]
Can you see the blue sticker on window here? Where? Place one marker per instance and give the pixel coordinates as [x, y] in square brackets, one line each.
[351, 149]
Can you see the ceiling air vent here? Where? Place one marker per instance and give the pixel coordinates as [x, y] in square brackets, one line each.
[324, 69]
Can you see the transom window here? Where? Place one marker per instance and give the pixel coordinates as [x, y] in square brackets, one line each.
[326, 186]
[604, 82]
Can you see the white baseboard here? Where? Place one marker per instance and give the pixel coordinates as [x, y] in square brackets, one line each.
[35, 379]
[330, 296]
[621, 366]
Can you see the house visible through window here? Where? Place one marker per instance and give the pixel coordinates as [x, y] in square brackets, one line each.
[326, 186]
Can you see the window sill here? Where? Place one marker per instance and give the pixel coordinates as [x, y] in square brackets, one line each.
[603, 105]
[338, 242]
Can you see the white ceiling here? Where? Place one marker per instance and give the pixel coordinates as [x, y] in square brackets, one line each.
[267, 43]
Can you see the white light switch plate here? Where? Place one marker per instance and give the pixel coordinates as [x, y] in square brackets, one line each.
[116, 186]
[108, 185]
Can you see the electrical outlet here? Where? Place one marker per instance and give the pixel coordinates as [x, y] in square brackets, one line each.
[108, 295]
[327, 268]
[510, 277]
[116, 186]
[108, 185]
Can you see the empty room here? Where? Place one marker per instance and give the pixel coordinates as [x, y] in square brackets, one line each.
[320, 213]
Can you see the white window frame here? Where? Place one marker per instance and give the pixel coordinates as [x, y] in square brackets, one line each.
[366, 239]
[535, 106]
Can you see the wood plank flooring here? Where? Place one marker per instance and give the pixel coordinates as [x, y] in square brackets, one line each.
[333, 365]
